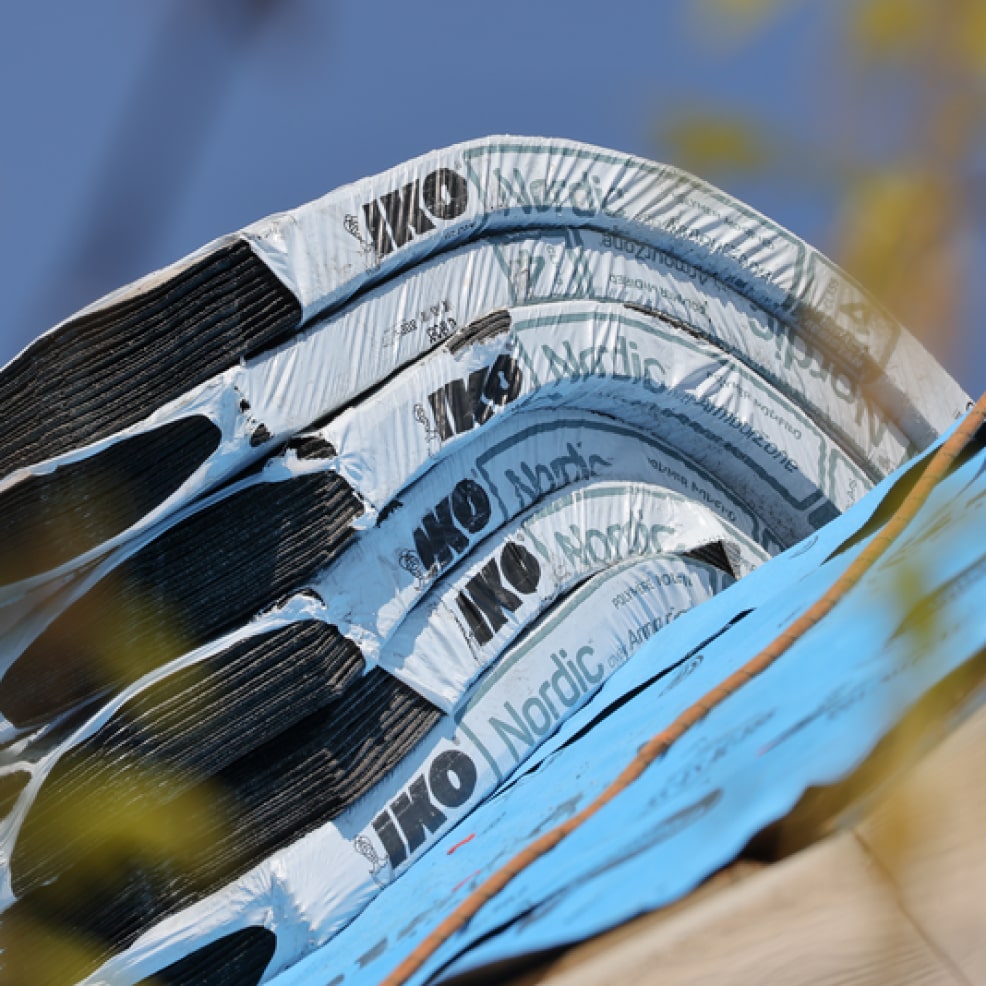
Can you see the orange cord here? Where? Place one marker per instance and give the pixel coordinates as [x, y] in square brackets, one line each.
[659, 744]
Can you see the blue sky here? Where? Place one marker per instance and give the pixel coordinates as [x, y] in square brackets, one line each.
[135, 132]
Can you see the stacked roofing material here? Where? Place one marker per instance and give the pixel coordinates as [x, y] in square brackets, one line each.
[310, 539]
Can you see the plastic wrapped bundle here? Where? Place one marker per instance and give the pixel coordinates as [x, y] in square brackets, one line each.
[310, 540]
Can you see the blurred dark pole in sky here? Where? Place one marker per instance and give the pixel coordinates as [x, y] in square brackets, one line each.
[164, 126]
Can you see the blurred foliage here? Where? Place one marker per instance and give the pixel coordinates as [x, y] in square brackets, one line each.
[905, 83]
[709, 142]
[903, 221]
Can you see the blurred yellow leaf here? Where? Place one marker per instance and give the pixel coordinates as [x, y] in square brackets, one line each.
[141, 820]
[36, 952]
[707, 145]
[732, 19]
[971, 36]
[746, 8]
[882, 28]
[895, 237]
[881, 212]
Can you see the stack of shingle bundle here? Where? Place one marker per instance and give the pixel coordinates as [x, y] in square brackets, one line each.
[308, 540]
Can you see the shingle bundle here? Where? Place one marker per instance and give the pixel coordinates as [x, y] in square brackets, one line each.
[310, 539]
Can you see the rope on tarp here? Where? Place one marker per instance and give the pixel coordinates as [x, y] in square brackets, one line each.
[660, 743]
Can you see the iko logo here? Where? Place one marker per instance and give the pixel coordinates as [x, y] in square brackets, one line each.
[395, 218]
[485, 598]
[402, 827]
[438, 537]
[461, 405]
